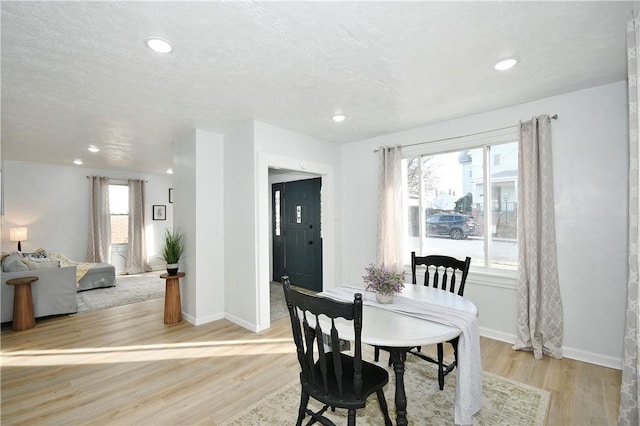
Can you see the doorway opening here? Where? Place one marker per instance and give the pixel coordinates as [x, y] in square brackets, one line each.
[296, 236]
[276, 169]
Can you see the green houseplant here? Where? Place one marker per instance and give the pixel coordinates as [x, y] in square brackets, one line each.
[173, 250]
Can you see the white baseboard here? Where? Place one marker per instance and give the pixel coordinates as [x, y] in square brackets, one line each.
[592, 358]
[497, 335]
[190, 319]
[571, 353]
[215, 317]
[242, 323]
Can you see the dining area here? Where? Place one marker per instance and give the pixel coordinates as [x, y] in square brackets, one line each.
[414, 316]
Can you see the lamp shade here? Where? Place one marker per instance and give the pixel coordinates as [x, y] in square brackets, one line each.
[18, 234]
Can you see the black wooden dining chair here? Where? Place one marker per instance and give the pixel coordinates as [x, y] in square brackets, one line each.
[445, 273]
[449, 274]
[327, 375]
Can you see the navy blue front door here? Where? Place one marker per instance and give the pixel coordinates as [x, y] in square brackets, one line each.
[297, 238]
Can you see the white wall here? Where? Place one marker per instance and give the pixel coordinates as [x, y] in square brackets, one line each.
[590, 149]
[210, 226]
[198, 199]
[53, 202]
[288, 176]
[184, 201]
[240, 225]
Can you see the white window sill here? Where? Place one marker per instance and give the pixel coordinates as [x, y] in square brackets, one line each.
[493, 278]
[487, 277]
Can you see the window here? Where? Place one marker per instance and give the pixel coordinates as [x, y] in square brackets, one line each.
[276, 205]
[119, 209]
[480, 221]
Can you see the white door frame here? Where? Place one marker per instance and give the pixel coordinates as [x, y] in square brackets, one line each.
[263, 226]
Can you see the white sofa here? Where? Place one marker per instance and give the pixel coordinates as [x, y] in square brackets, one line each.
[53, 294]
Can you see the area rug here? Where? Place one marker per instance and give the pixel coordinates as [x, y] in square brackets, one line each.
[278, 305]
[128, 289]
[505, 402]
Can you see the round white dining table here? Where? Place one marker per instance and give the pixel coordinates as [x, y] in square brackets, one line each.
[398, 332]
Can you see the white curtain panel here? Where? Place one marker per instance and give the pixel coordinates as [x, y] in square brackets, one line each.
[629, 400]
[539, 304]
[389, 238]
[99, 220]
[137, 247]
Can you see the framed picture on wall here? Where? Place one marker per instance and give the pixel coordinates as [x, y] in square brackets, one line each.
[171, 195]
[159, 212]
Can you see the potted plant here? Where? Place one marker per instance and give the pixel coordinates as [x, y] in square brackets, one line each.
[172, 250]
[385, 282]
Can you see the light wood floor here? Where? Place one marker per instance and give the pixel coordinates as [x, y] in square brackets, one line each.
[123, 366]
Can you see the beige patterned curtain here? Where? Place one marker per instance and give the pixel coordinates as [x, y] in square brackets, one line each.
[389, 239]
[137, 247]
[629, 399]
[99, 220]
[539, 304]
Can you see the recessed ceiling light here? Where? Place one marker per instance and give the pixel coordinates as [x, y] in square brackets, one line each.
[169, 171]
[338, 118]
[77, 161]
[159, 45]
[505, 64]
[93, 148]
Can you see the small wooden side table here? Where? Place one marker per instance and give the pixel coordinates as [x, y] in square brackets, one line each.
[172, 302]
[23, 316]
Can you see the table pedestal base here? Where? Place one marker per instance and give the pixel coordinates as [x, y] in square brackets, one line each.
[398, 358]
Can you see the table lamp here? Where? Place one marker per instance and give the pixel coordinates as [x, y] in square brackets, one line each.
[18, 234]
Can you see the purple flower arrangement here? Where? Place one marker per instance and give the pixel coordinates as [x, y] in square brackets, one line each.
[384, 280]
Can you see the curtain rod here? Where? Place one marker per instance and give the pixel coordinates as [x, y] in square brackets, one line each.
[146, 181]
[553, 117]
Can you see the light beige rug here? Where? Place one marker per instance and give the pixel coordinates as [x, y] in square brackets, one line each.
[505, 402]
[128, 289]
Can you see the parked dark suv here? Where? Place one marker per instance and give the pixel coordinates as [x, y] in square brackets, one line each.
[455, 225]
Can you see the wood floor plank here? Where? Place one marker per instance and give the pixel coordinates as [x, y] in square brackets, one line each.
[124, 366]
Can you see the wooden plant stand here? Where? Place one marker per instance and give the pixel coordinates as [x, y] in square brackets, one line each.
[172, 302]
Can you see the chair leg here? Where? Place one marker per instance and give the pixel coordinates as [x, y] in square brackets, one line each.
[376, 354]
[351, 417]
[440, 366]
[304, 400]
[383, 406]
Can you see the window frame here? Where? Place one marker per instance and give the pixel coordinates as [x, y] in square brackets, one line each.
[124, 184]
[486, 275]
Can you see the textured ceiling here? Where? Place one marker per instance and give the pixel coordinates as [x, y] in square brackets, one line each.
[78, 73]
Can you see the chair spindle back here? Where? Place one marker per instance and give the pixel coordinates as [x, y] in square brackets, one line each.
[305, 312]
[441, 272]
